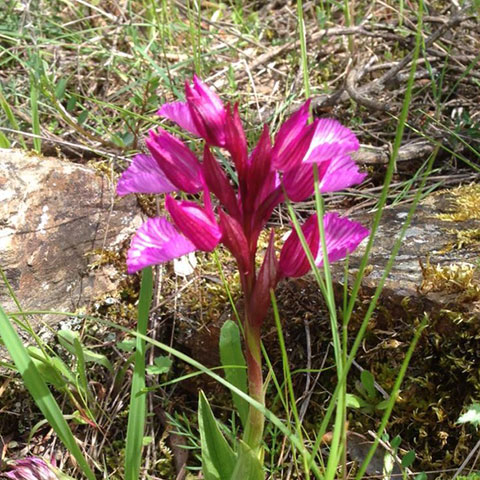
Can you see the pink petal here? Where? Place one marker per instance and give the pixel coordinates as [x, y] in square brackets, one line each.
[330, 140]
[293, 260]
[179, 112]
[196, 223]
[299, 182]
[342, 173]
[144, 175]
[342, 237]
[177, 161]
[156, 241]
[293, 140]
[233, 237]
[207, 95]
[207, 111]
[235, 141]
[219, 183]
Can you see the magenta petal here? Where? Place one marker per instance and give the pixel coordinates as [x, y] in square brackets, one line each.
[342, 237]
[207, 112]
[342, 173]
[293, 140]
[299, 182]
[330, 140]
[179, 112]
[219, 184]
[293, 260]
[233, 237]
[155, 242]
[196, 223]
[207, 95]
[144, 175]
[267, 279]
[235, 140]
[177, 161]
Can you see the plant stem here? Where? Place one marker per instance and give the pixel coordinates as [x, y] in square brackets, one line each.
[254, 431]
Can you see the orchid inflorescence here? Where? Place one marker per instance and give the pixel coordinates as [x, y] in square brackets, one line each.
[30, 468]
[265, 178]
[302, 153]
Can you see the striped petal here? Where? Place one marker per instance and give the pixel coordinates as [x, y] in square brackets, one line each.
[156, 241]
[179, 112]
[144, 175]
[179, 163]
[330, 140]
[342, 173]
[198, 224]
[342, 236]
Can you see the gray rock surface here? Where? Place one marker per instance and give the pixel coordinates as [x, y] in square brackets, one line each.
[436, 264]
[55, 217]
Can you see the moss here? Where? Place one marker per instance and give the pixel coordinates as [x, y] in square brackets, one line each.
[464, 239]
[464, 204]
[459, 278]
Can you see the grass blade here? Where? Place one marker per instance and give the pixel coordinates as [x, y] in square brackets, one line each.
[138, 406]
[40, 392]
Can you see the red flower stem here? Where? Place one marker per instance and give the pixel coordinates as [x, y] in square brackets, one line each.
[254, 430]
[252, 326]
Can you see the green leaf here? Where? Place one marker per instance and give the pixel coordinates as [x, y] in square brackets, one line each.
[52, 369]
[67, 339]
[138, 406]
[368, 382]
[421, 476]
[60, 88]
[161, 365]
[40, 392]
[72, 101]
[408, 459]
[248, 465]
[396, 441]
[472, 415]
[382, 405]
[82, 117]
[231, 356]
[354, 401]
[218, 458]
[127, 345]
[4, 141]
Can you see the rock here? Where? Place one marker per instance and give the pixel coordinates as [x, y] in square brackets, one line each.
[436, 264]
[55, 219]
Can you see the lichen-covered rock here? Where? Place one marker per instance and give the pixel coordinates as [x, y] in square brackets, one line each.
[57, 219]
[436, 266]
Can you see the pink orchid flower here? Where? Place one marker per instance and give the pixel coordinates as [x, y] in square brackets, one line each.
[30, 468]
[264, 177]
[272, 171]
